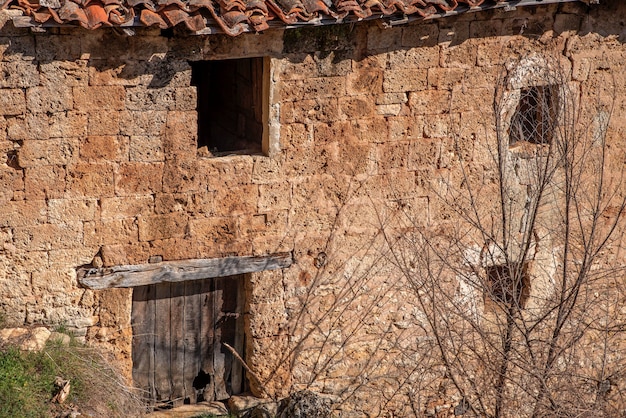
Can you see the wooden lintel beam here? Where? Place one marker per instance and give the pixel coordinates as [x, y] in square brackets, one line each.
[177, 271]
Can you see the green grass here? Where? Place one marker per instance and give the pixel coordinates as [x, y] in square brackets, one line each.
[27, 383]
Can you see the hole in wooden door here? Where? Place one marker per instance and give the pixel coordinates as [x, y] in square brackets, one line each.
[179, 331]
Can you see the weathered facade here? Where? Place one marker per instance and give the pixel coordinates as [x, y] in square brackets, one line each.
[109, 161]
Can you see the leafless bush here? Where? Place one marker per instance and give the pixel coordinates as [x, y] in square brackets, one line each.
[520, 279]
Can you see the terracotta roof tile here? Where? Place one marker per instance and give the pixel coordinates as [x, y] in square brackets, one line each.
[232, 16]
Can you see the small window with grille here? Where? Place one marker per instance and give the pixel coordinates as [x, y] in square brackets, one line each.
[508, 283]
[535, 118]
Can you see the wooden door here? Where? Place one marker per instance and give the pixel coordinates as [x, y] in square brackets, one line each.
[178, 335]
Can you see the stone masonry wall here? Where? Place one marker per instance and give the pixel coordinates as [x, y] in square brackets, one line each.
[99, 165]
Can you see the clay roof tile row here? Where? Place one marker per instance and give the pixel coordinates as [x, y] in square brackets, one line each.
[232, 16]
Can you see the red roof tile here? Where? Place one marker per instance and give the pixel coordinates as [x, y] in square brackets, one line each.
[235, 16]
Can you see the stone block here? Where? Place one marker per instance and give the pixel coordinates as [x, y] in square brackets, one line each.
[389, 109]
[383, 39]
[328, 133]
[216, 173]
[485, 28]
[167, 203]
[44, 182]
[23, 213]
[149, 122]
[90, 180]
[235, 201]
[110, 231]
[265, 287]
[257, 224]
[266, 170]
[403, 127]
[308, 111]
[104, 148]
[175, 249]
[57, 98]
[146, 149]
[463, 55]
[181, 175]
[371, 130]
[72, 210]
[11, 180]
[126, 207]
[28, 127]
[430, 102]
[144, 99]
[12, 102]
[19, 74]
[314, 64]
[65, 73]
[414, 58]
[401, 80]
[70, 258]
[454, 31]
[312, 88]
[392, 155]
[267, 319]
[420, 35]
[171, 225]
[33, 153]
[17, 48]
[58, 48]
[99, 98]
[181, 134]
[139, 178]
[67, 124]
[186, 98]
[391, 98]
[436, 126]
[446, 78]
[120, 254]
[214, 230]
[356, 107]
[46, 282]
[367, 77]
[471, 100]
[103, 122]
[274, 196]
[45, 237]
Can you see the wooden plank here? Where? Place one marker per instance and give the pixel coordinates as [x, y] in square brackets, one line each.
[162, 374]
[191, 338]
[220, 354]
[207, 338]
[142, 322]
[237, 376]
[178, 271]
[177, 344]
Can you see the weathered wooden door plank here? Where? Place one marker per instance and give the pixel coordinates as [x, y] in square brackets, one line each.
[207, 338]
[192, 329]
[163, 343]
[178, 271]
[142, 321]
[177, 346]
[219, 355]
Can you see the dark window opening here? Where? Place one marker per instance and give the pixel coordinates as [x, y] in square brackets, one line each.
[508, 283]
[534, 120]
[230, 105]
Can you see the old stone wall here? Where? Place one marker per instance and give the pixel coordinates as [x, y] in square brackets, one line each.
[100, 167]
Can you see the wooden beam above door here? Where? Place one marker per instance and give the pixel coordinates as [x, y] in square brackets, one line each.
[178, 271]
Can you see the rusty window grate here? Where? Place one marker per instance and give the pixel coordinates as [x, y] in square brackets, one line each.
[535, 118]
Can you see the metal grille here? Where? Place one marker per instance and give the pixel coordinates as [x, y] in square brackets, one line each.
[534, 120]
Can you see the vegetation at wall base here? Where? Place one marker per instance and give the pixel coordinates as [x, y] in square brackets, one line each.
[27, 383]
